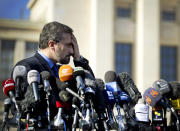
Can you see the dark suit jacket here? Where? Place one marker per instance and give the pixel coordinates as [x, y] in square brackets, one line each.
[37, 62]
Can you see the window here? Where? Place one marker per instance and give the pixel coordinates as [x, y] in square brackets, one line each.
[168, 63]
[168, 15]
[123, 12]
[6, 58]
[123, 58]
[31, 48]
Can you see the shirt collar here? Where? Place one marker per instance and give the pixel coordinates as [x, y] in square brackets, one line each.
[49, 61]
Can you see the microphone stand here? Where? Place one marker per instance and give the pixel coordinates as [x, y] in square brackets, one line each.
[48, 109]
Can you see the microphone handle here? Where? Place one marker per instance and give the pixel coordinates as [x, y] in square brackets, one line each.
[126, 110]
[80, 84]
[110, 113]
[35, 90]
[14, 100]
[74, 94]
[18, 93]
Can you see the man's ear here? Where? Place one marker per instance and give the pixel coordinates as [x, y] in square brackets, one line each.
[51, 44]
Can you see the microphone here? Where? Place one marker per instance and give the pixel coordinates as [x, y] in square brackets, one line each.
[151, 96]
[58, 120]
[111, 83]
[8, 89]
[19, 74]
[142, 111]
[99, 94]
[7, 105]
[33, 79]
[100, 104]
[175, 89]
[78, 72]
[64, 96]
[66, 73]
[110, 79]
[163, 88]
[127, 84]
[46, 76]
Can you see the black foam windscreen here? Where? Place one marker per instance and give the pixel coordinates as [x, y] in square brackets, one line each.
[175, 89]
[99, 97]
[89, 80]
[100, 84]
[127, 84]
[45, 75]
[110, 76]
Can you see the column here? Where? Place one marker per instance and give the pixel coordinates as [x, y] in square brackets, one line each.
[147, 47]
[178, 23]
[102, 42]
[19, 51]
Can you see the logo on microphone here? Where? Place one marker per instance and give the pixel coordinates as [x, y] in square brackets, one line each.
[148, 100]
[154, 93]
[65, 71]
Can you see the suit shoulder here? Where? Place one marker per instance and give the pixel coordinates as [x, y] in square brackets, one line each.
[28, 61]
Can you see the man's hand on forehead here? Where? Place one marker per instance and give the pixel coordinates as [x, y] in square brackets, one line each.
[76, 48]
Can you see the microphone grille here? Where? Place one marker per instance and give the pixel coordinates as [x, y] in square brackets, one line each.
[110, 76]
[45, 75]
[175, 87]
[64, 96]
[8, 85]
[78, 71]
[33, 76]
[162, 86]
[65, 73]
[19, 71]
[100, 84]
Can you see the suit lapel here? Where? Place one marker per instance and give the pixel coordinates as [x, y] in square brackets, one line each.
[42, 62]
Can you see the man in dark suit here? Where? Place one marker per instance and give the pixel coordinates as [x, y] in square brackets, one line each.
[56, 45]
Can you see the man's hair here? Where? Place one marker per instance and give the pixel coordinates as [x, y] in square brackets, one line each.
[52, 31]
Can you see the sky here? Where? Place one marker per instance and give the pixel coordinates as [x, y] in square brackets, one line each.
[14, 9]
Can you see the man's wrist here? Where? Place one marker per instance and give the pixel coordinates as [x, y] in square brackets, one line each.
[77, 58]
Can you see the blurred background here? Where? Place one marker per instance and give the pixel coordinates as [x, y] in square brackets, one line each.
[141, 37]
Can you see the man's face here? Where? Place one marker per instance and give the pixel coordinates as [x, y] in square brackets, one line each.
[64, 49]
